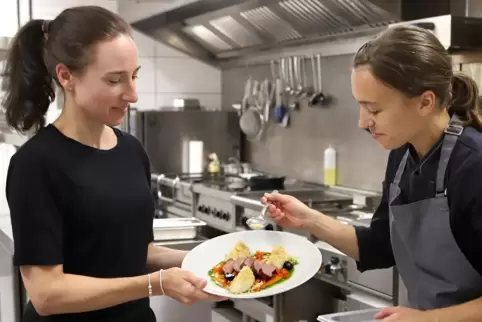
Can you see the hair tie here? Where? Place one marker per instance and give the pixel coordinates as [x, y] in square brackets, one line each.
[45, 28]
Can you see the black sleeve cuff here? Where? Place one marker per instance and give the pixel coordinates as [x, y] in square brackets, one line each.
[374, 252]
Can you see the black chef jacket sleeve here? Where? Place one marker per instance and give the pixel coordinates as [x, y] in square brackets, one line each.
[37, 223]
[374, 245]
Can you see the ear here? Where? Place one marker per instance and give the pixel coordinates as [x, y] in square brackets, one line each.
[427, 103]
[64, 76]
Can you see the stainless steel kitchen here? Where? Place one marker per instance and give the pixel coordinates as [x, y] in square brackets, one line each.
[287, 123]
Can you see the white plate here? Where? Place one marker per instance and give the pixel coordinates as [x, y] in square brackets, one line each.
[206, 255]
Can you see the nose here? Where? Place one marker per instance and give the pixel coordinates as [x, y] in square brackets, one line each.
[365, 120]
[130, 94]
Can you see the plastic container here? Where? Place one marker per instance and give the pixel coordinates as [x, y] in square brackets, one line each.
[367, 315]
[329, 171]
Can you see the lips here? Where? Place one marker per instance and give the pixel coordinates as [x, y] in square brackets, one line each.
[123, 109]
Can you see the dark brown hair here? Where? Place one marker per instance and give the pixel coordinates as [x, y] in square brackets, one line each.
[36, 50]
[412, 60]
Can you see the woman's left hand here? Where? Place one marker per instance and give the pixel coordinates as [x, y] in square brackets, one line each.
[403, 314]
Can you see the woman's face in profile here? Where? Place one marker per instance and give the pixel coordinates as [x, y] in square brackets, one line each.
[392, 118]
[108, 85]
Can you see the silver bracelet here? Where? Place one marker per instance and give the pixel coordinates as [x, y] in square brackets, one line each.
[150, 286]
[160, 282]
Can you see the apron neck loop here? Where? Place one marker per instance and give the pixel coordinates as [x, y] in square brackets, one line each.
[455, 126]
[454, 129]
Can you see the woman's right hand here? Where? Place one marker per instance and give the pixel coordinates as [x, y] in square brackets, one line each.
[185, 287]
[286, 210]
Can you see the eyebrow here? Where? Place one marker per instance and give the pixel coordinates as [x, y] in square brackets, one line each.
[363, 102]
[116, 72]
[366, 102]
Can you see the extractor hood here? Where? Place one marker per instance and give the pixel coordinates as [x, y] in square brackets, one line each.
[456, 33]
[217, 30]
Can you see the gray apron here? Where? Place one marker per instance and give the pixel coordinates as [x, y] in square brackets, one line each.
[431, 265]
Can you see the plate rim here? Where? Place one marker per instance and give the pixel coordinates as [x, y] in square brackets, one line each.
[268, 292]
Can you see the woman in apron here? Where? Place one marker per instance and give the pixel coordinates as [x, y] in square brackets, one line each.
[429, 222]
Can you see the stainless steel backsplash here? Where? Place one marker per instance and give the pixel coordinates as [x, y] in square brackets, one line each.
[297, 151]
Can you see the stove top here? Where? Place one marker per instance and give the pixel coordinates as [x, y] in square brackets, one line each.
[187, 177]
[222, 185]
[217, 182]
[228, 183]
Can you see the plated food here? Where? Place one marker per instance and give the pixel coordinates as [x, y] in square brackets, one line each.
[244, 271]
[211, 256]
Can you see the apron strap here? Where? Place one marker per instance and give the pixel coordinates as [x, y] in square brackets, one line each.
[452, 132]
[401, 168]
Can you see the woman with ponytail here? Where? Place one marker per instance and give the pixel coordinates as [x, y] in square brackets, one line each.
[79, 189]
[429, 221]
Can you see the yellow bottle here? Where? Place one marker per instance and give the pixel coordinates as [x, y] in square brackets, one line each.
[329, 171]
[213, 166]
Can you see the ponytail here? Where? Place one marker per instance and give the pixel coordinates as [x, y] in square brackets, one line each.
[465, 100]
[28, 86]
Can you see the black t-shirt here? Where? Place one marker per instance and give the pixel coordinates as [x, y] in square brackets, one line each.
[464, 192]
[88, 209]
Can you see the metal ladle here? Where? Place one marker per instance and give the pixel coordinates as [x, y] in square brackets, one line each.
[259, 222]
[318, 98]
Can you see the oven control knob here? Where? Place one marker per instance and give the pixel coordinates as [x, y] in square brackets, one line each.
[335, 260]
[208, 210]
[218, 213]
[333, 267]
[225, 216]
[269, 227]
[200, 208]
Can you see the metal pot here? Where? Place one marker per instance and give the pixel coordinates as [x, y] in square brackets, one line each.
[231, 168]
[236, 183]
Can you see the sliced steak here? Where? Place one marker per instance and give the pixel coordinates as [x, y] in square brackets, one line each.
[257, 265]
[228, 267]
[249, 262]
[267, 271]
[238, 264]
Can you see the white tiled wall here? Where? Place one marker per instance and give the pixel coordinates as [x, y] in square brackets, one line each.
[49, 9]
[8, 18]
[167, 74]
